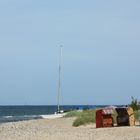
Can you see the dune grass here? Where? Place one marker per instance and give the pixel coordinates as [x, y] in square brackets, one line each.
[137, 114]
[74, 113]
[84, 117]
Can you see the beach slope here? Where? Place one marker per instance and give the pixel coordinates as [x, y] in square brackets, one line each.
[62, 129]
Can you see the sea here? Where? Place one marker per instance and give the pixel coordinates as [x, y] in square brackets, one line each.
[20, 113]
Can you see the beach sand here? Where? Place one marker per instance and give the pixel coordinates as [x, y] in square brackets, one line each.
[62, 129]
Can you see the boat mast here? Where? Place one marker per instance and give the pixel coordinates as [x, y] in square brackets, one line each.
[59, 80]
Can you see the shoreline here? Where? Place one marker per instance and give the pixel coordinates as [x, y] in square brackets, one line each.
[5, 119]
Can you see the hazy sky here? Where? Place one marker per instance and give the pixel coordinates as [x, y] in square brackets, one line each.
[101, 51]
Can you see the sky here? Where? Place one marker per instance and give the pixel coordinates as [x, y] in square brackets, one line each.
[101, 51]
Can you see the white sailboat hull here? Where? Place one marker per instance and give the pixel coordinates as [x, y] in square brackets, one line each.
[53, 116]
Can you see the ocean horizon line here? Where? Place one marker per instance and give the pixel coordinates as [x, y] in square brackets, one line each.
[66, 105]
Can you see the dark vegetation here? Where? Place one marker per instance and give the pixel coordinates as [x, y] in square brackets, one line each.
[135, 104]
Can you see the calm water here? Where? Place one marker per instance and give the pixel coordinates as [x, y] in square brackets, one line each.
[18, 113]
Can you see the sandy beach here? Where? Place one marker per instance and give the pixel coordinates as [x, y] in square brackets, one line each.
[62, 129]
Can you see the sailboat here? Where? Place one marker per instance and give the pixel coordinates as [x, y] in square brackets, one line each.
[59, 113]
[59, 110]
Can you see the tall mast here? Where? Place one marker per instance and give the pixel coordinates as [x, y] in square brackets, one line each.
[59, 80]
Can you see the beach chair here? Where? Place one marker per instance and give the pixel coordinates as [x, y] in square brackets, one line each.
[104, 118]
[131, 116]
[125, 116]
